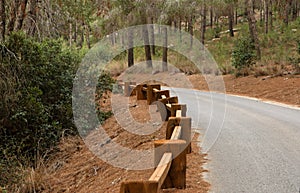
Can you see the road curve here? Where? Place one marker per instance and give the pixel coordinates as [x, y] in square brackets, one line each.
[252, 146]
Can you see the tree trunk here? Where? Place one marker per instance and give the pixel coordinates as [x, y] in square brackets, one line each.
[295, 10]
[231, 20]
[21, 15]
[2, 20]
[13, 15]
[287, 12]
[271, 14]
[211, 17]
[180, 30]
[191, 30]
[147, 46]
[76, 32]
[165, 49]
[266, 6]
[87, 37]
[130, 48]
[236, 15]
[32, 17]
[152, 37]
[203, 23]
[70, 34]
[252, 28]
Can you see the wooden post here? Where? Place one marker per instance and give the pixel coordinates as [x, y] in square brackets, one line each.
[127, 89]
[132, 87]
[176, 177]
[161, 106]
[176, 107]
[150, 92]
[186, 129]
[139, 187]
[158, 94]
[139, 92]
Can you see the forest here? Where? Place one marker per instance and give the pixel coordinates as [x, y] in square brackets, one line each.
[43, 42]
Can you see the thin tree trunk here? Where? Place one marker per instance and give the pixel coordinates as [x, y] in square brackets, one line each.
[191, 30]
[32, 17]
[252, 28]
[87, 37]
[152, 37]
[295, 10]
[147, 46]
[266, 6]
[231, 20]
[21, 15]
[2, 20]
[130, 48]
[70, 34]
[236, 15]
[203, 26]
[211, 17]
[180, 29]
[13, 15]
[271, 14]
[76, 32]
[287, 12]
[165, 49]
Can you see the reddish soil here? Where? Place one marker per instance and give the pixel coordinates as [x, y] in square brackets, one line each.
[283, 89]
[74, 168]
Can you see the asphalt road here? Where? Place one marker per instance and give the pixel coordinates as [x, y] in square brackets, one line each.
[252, 146]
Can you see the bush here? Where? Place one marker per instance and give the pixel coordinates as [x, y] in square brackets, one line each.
[243, 55]
[35, 99]
[298, 41]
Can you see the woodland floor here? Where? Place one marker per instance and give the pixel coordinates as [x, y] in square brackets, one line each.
[74, 168]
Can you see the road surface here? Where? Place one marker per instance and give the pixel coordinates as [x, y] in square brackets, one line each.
[252, 146]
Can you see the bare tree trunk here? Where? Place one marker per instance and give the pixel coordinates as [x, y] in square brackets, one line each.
[2, 20]
[211, 17]
[130, 48]
[271, 14]
[70, 34]
[191, 30]
[180, 30]
[203, 23]
[32, 17]
[236, 15]
[165, 49]
[266, 6]
[21, 15]
[13, 15]
[147, 47]
[76, 32]
[287, 12]
[152, 37]
[231, 19]
[252, 28]
[295, 9]
[87, 37]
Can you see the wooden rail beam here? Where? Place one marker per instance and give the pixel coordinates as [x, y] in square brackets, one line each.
[186, 129]
[176, 133]
[139, 187]
[162, 170]
[176, 177]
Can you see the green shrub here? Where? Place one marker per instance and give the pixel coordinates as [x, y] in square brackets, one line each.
[243, 54]
[298, 43]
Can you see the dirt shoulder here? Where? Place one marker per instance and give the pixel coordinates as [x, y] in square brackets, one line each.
[283, 89]
[75, 168]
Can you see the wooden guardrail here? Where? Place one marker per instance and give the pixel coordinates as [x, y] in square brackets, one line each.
[170, 153]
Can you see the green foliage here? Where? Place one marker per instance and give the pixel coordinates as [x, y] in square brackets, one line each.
[35, 92]
[36, 100]
[243, 54]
